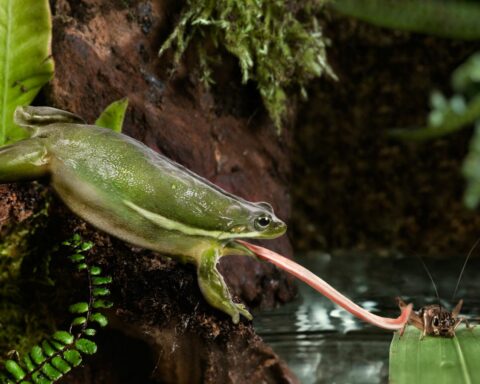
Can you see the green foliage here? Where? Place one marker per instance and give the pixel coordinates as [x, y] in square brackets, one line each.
[50, 360]
[112, 117]
[279, 45]
[444, 18]
[25, 58]
[435, 359]
[449, 115]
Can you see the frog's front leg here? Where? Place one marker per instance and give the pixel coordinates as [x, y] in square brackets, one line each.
[214, 288]
[25, 160]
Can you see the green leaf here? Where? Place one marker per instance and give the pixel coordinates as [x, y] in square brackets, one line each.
[86, 346]
[40, 378]
[81, 266]
[90, 332]
[95, 271]
[47, 348]
[37, 355]
[58, 346]
[446, 18]
[86, 245]
[112, 117]
[78, 307]
[29, 363]
[25, 59]
[100, 291]
[77, 257]
[100, 319]
[100, 280]
[17, 372]
[102, 304]
[435, 359]
[450, 121]
[63, 337]
[61, 364]
[79, 321]
[73, 357]
[51, 372]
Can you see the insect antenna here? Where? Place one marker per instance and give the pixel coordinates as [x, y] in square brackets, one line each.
[464, 266]
[431, 279]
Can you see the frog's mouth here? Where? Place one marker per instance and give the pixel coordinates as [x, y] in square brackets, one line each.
[233, 247]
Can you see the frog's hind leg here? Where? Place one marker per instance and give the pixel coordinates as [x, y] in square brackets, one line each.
[25, 160]
[213, 286]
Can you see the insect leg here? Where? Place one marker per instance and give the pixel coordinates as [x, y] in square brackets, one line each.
[457, 309]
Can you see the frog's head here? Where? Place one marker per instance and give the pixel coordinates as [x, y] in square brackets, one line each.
[256, 221]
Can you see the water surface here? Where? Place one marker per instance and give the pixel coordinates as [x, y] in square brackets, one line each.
[325, 344]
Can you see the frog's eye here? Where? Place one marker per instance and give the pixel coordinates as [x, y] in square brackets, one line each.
[262, 222]
[435, 321]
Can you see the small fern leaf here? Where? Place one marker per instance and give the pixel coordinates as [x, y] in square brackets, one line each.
[57, 345]
[63, 337]
[81, 266]
[90, 332]
[77, 257]
[73, 357]
[37, 355]
[79, 321]
[101, 280]
[40, 378]
[86, 346]
[61, 364]
[15, 369]
[47, 348]
[95, 270]
[79, 308]
[100, 291]
[51, 372]
[99, 318]
[29, 363]
[86, 245]
[102, 304]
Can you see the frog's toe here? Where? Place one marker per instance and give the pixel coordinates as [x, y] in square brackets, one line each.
[235, 310]
[242, 309]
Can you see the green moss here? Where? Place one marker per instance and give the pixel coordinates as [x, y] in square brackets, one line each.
[279, 44]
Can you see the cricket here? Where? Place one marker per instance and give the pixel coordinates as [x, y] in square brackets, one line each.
[434, 319]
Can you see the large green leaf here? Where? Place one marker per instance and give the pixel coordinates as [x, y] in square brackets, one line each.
[445, 18]
[25, 58]
[435, 360]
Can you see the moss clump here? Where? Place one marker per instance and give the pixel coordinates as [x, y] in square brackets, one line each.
[278, 43]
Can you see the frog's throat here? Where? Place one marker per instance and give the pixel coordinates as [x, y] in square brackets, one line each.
[173, 225]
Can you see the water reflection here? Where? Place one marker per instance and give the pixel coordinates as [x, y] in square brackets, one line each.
[323, 343]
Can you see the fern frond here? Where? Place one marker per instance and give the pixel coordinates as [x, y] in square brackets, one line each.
[56, 356]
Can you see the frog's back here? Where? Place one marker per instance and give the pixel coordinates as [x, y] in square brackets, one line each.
[117, 169]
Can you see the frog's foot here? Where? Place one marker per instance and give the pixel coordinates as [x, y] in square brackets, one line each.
[214, 289]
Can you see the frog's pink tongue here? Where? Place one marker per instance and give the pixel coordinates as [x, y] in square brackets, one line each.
[326, 289]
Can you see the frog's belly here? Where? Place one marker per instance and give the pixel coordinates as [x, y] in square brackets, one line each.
[110, 214]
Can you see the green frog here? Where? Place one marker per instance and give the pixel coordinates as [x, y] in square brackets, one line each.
[126, 189]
